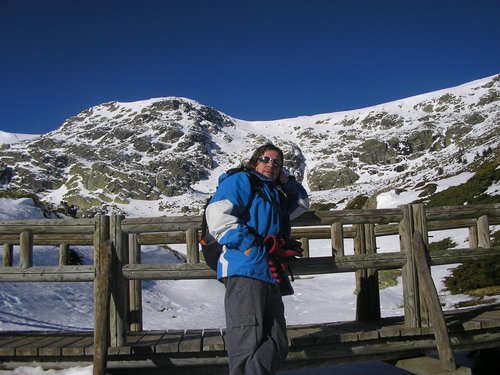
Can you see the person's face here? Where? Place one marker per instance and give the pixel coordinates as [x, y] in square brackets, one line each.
[272, 168]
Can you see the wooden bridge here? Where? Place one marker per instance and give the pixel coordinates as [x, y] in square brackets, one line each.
[118, 340]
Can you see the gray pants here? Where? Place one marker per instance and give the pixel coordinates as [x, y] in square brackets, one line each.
[256, 328]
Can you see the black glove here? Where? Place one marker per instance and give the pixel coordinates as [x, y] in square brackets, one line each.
[280, 273]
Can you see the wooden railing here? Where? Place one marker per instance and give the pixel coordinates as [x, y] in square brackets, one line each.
[117, 270]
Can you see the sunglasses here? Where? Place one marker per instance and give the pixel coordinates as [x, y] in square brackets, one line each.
[267, 159]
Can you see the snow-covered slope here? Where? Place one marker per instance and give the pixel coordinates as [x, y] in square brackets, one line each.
[9, 138]
[163, 155]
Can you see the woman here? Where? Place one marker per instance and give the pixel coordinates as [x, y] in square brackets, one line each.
[240, 218]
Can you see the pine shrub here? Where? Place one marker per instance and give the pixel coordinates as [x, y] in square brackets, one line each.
[474, 275]
[472, 191]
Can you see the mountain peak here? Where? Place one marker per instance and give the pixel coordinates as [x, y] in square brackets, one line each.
[167, 152]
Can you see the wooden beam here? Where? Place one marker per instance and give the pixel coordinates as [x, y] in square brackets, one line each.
[431, 296]
[463, 212]
[135, 286]
[48, 226]
[192, 249]
[48, 274]
[428, 366]
[119, 286]
[26, 249]
[337, 239]
[102, 293]
[409, 275]
[483, 232]
[8, 250]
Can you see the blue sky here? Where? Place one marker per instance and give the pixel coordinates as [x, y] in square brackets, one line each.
[253, 60]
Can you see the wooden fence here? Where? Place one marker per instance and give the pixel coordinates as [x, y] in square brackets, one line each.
[117, 271]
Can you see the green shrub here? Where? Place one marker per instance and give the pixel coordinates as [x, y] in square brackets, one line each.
[470, 192]
[469, 276]
[388, 278]
[74, 258]
[446, 243]
[474, 275]
[495, 238]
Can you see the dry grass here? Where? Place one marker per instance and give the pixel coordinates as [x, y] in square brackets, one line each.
[479, 296]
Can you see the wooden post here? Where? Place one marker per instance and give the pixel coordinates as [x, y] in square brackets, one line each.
[473, 237]
[372, 273]
[119, 291]
[193, 253]
[26, 249]
[364, 287]
[135, 300]
[8, 250]
[337, 235]
[63, 254]
[102, 264]
[420, 222]
[411, 296]
[305, 246]
[367, 292]
[483, 232]
[431, 297]
[420, 225]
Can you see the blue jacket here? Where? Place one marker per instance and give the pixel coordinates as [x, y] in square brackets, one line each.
[240, 218]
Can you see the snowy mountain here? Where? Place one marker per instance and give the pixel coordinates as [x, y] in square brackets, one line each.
[9, 138]
[166, 153]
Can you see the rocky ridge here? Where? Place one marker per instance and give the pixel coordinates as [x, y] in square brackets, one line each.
[169, 151]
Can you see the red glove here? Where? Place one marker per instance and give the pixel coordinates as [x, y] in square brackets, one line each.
[279, 248]
[277, 270]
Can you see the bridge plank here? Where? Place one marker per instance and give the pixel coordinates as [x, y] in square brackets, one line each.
[191, 341]
[212, 340]
[486, 321]
[33, 348]
[146, 343]
[311, 335]
[28, 346]
[169, 343]
[83, 346]
[6, 344]
[128, 348]
[303, 335]
[59, 343]
[53, 347]
[24, 341]
[393, 331]
[368, 335]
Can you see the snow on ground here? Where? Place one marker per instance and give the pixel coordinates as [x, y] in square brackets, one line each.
[9, 138]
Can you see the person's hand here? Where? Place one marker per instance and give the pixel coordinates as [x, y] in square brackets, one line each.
[279, 248]
[284, 176]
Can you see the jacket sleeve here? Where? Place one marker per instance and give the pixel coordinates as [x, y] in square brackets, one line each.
[226, 212]
[297, 201]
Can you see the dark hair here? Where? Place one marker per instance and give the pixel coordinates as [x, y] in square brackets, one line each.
[252, 163]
